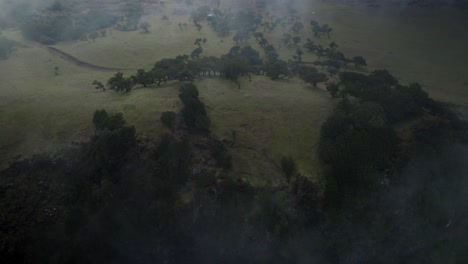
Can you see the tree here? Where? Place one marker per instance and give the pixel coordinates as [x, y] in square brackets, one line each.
[317, 31]
[119, 83]
[93, 35]
[307, 199]
[240, 36]
[287, 38]
[296, 40]
[359, 61]
[383, 77]
[298, 26]
[111, 142]
[193, 112]
[326, 29]
[271, 52]
[144, 26]
[185, 75]
[142, 77]
[310, 45]
[220, 153]
[198, 42]
[299, 54]
[102, 120]
[338, 57]
[314, 77]
[258, 35]
[276, 68]
[333, 89]
[319, 51]
[232, 67]
[196, 52]
[98, 85]
[168, 120]
[251, 55]
[333, 45]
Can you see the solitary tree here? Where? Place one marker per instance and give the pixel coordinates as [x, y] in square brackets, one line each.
[333, 45]
[93, 35]
[98, 85]
[359, 61]
[299, 53]
[144, 26]
[326, 29]
[198, 42]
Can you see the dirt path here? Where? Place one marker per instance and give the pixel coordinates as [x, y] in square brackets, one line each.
[80, 63]
[65, 56]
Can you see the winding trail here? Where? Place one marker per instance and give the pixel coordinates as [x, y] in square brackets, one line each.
[65, 56]
[81, 63]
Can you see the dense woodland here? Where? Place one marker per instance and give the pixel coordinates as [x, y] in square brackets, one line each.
[116, 198]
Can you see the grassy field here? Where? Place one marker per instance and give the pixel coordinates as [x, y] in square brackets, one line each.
[42, 112]
[426, 45]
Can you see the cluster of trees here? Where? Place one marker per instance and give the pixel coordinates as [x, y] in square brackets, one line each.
[288, 39]
[115, 187]
[398, 101]
[101, 194]
[320, 30]
[334, 59]
[62, 23]
[239, 61]
[311, 75]
[193, 112]
[366, 170]
[179, 68]
[274, 67]
[358, 140]
[129, 14]
[111, 146]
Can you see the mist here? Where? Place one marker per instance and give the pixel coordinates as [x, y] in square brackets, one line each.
[205, 131]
